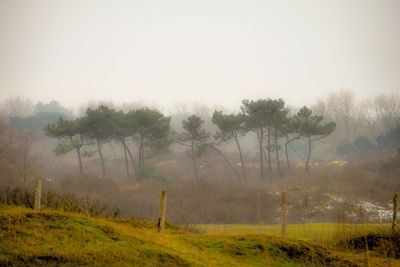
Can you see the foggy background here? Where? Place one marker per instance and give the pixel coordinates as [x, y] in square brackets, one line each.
[339, 58]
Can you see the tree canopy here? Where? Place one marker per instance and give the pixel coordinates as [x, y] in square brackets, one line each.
[309, 126]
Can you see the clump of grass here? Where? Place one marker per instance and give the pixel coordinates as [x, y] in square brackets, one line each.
[19, 196]
[273, 251]
[382, 242]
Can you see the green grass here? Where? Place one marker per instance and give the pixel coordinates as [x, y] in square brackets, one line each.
[311, 232]
[56, 238]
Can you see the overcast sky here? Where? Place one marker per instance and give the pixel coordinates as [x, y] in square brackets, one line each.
[214, 52]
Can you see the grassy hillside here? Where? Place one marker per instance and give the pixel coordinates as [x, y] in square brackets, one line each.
[53, 238]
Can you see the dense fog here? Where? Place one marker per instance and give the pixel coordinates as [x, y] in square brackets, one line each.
[217, 165]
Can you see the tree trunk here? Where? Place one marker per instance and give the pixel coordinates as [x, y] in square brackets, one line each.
[103, 167]
[141, 156]
[309, 154]
[228, 161]
[132, 159]
[277, 152]
[265, 156]
[194, 162]
[269, 152]
[78, 152]
[287, 155]
[288, 141]
[260, 135]
[241, 158]
[128, 175]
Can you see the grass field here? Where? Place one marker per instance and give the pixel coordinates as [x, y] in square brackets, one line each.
[311, 232]
[57, 238]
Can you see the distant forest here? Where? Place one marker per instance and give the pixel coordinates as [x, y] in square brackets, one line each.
[338, 127]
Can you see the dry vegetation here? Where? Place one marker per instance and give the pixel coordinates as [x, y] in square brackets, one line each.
[50, 238]
[328, 194]
[56, 238]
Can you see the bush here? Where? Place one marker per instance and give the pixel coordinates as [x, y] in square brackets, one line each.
[68, 202]
[344, 149]
[363, 145]
[149, 173]
[383, 242]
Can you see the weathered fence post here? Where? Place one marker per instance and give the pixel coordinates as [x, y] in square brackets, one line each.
[38, 194]
[394, 222]
[163, 204]
[259, 211]
[283, 213]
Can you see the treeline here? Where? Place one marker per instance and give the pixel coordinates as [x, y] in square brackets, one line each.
[145, 132]
[362, 145]
[371, 125]
[363, 128]
[147, 128]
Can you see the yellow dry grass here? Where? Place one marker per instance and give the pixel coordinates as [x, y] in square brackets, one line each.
[56, 238]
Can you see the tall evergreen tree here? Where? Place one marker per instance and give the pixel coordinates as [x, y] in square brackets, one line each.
[70, 135]
[152, 133]
[230, 126]
[278, 118]
[312, 126]
[99, 125]
[125, 127]
[195, 138]
[257, 118]
[291, 132]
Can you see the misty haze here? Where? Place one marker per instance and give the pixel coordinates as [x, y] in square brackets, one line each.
[199, 133]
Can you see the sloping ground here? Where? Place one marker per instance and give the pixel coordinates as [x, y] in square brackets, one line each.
[53, 238]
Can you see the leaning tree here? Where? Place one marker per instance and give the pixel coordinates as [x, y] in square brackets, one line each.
[125, 127]
[70, 137]
[195, 138]
[99, 125]
[257, 119]
[278, 117]
[312, 128]
[291, 131]
[230, 126]
[152, 134]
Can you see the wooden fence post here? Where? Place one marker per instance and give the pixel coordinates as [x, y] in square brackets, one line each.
[163, 205]
[259, 210]
[38, 194]
[283, 213]
[394, 222]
